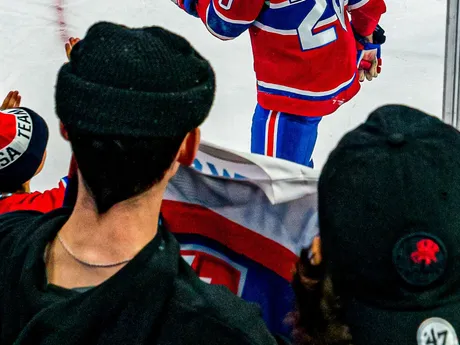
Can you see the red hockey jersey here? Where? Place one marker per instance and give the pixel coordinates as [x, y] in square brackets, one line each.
[305, 55]
[37, 201]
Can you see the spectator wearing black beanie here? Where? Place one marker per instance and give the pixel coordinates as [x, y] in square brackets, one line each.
[108, 271]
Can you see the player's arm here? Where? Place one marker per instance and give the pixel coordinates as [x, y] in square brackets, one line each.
[365, 15]
[225, 19]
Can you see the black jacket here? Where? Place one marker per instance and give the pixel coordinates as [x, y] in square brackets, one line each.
[155, 299]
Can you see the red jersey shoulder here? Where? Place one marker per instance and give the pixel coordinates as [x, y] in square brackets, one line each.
[38, 201]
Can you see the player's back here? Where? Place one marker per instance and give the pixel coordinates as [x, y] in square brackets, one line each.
[305, 53]
[304, 56]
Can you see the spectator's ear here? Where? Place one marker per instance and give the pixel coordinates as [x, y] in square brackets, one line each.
[64, 133]
[189, 147]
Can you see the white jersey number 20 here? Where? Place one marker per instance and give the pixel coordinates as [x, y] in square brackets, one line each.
[311, 23]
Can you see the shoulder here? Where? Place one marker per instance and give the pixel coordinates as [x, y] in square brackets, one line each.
[12, 220]
[13, 227]
[219, 313]
[20, 225]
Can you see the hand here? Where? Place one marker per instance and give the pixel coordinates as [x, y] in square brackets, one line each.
[369, 53]
[370, 64]
[310, 266]
[68, 46]
[12, 100]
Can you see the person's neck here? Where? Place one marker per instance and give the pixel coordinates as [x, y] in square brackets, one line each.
[116, 235]
[25, 188]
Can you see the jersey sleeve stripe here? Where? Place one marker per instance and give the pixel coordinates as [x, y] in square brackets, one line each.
[222, 27]
[355, 4]
[304, 94]
[283, 4]
[221, 37]
[228, 20]
[65, 181]
[280, 4]
[276, 18]
[267, 28]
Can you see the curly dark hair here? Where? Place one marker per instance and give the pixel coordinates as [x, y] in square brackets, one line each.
[317, 319]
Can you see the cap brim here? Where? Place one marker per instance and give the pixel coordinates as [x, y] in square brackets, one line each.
[374, 326]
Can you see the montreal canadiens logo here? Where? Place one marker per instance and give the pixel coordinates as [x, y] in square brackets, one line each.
[214, 268]
[17, 130]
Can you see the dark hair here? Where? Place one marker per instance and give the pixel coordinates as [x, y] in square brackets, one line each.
[317, 319]
[116, 169]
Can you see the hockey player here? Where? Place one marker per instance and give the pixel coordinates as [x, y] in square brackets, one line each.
[305, 59]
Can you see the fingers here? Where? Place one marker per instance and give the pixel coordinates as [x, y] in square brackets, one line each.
[310, 268]
[12, 100]
[18, 101]
[369, 76]
[362, 75]
[69, 45]
[379, 66]
[370, 73]
[316, 257]
[365, 64]
[369, 65]
[6, 101]
[68, 49]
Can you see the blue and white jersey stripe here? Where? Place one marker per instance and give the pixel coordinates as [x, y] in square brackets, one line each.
[65, 181]
[281, 90]
[282, 18]
[223, 27]
[285, 18]
[355, 4]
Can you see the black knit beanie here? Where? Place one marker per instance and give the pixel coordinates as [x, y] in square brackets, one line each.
[144, 82]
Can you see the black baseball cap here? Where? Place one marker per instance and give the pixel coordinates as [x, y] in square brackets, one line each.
[389, 213]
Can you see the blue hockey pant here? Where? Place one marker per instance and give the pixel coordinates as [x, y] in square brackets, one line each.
[286, 136]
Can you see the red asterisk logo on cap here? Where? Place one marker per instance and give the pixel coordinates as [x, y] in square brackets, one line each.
[426, 252]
